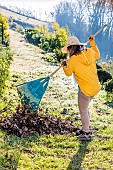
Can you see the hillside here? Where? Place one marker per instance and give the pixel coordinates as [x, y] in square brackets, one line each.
[21, 18]
[55, 152]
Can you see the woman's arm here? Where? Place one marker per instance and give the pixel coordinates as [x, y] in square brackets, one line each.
[94, 47]
[68, 67]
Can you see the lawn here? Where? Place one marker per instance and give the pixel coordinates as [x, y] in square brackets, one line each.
[63, 152]
[55, 152]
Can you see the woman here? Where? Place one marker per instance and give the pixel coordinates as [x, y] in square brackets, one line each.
[82, 64]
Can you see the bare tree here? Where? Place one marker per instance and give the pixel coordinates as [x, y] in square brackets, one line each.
[85, 17]
[73, 15]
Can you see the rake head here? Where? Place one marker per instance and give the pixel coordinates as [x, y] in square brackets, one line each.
[32, 92]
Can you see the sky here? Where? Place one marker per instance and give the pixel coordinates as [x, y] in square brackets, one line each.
[33, 5]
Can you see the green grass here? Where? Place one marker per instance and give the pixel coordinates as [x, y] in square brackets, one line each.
[63, 152]
[58, 152]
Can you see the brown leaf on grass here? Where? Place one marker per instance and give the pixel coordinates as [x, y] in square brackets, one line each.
[24, 123]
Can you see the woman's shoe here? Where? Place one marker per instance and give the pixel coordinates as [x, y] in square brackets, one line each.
[79, 132]
[85, 136]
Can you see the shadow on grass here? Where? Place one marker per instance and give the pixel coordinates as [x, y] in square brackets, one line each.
[13, 147]
[76, 162]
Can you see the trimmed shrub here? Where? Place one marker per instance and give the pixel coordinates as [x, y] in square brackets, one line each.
[4, 26]
[104, 76]
[5, 61]
[51, 42]
[109, 86]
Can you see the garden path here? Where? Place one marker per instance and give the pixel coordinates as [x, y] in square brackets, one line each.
[28, 63]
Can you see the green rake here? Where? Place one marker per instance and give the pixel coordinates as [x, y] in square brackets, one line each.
[32, 92]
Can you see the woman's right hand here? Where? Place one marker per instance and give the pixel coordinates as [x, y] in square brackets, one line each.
[64, 63]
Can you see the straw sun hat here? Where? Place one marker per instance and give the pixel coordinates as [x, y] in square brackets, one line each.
[71, 41]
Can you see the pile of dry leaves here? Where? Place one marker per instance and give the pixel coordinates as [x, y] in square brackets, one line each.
[24, 123]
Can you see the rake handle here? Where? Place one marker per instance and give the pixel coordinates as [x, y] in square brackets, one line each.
[85, 43]
[97, 32]
[55, 71]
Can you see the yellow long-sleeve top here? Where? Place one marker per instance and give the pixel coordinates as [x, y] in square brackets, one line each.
[83, 66]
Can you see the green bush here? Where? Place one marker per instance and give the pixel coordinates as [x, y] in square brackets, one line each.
[5, 61]
[31, 35]
[59, 54]
[109, 86]
[103, 75]
[51, 42]
[4, 26]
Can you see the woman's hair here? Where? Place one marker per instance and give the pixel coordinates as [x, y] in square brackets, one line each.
[74, 50]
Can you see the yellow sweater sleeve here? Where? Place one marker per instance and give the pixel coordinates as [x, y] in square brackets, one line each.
[95, 49]
[68, 70]
[83, 66]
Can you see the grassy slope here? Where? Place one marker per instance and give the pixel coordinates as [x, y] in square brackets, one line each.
[58, 152]
[22, 18]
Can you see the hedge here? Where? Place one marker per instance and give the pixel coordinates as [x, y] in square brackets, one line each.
[5, 61]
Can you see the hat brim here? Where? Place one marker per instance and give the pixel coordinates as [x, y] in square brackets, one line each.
[65, 49]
